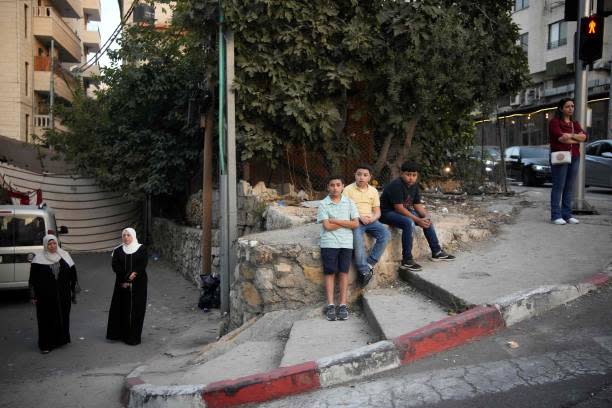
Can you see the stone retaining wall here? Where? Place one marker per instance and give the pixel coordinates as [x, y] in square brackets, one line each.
[281, 269]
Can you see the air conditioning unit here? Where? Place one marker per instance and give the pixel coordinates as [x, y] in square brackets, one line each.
[515, 100]
[144, 13]
[530, 95]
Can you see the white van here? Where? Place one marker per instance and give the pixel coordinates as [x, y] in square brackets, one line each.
[22, 228]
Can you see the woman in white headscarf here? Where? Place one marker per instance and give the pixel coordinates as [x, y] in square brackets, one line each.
[52, 281]
[129, 303]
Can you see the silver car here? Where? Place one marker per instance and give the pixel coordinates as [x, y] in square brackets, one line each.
[22, 228]
[598, 164]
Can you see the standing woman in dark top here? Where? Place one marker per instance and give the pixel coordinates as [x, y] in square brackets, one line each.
[52, 287]
[129, 303]
[565, 135]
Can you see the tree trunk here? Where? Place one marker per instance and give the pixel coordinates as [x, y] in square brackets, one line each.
[207, 122]
[403, 152]
[383, 154]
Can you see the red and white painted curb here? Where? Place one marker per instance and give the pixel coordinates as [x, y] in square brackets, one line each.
[360, 363]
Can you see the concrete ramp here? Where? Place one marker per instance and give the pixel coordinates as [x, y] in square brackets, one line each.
[330, 338]
[398, 311]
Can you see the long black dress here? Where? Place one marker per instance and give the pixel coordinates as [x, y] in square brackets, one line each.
[128, 306]
[53, 300]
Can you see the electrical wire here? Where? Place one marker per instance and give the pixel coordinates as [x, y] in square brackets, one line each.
[111, 39]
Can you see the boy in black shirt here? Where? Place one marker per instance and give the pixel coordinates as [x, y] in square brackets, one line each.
[401, 207]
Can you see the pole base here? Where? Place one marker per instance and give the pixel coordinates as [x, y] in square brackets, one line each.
[582, 207]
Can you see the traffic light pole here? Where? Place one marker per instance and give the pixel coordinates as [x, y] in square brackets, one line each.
[580, 99]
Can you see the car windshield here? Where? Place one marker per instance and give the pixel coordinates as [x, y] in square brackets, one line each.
[534, 152]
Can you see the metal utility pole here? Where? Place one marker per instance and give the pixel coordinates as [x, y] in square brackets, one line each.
[52, 85]
[609, 132]
[581, 98]
[231, 153]
[227, 161]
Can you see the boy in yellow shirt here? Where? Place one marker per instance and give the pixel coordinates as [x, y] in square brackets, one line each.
[368, 205]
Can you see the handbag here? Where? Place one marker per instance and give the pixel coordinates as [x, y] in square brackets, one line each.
[562, 156]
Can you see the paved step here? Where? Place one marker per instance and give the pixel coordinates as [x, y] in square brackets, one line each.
[315, 338]
[397, 311]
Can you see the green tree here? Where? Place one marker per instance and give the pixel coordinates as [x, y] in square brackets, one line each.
[441, 60]
[136, 136]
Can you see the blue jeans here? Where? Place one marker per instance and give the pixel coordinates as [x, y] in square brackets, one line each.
[406, 224]
[382, 236]
[563, 179]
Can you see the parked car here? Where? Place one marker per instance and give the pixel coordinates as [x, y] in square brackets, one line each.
[598, 164]
[22, 228]
[530, 164]
[489, 157]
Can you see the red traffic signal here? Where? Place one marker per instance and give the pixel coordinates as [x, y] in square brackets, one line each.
[591, 38]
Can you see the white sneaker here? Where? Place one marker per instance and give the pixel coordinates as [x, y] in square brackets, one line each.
[573, 221]
[559, 221]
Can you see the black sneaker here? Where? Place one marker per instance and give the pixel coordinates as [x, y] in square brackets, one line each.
[364, 278]
[342, 312]
[330, 312]
[411, 265]
[442, 256]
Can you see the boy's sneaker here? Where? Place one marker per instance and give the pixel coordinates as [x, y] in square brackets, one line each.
[330, 312]
[411, 265]
[559, 221]
[442, 256]
[342, 312]
[572, 220]
[364, 278]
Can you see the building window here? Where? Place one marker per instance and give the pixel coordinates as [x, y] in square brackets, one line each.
[524, 42]
[27, 76]
[25, 20]
[27, 127]
[520, 4]
[557, 34]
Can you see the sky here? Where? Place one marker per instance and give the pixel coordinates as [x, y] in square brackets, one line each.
[110, 20]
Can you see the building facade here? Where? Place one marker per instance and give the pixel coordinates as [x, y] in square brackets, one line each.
[44, 41]
[548, 41]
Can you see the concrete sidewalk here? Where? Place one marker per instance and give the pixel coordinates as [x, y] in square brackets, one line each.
[528, 268]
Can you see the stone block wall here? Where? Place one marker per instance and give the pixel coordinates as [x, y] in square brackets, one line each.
[282, 269]
[182, 245]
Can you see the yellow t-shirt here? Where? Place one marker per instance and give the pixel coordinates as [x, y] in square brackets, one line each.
[365, 200]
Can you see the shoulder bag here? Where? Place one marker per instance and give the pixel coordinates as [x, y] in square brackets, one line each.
[562, 156]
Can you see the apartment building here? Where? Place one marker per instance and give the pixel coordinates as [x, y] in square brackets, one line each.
[548, 41]
[38, 37]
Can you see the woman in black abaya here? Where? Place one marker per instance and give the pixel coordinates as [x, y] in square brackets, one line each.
[52, 282]
[129, 303]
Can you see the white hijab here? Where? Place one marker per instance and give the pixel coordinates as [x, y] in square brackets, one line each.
[47, 258]
[133, 247]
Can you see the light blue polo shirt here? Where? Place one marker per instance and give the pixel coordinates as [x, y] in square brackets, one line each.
[345, 209]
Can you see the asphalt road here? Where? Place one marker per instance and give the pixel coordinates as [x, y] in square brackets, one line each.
[561, 359]
[89, 372]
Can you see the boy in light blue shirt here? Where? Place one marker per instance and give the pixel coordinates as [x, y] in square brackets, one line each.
[338, 216]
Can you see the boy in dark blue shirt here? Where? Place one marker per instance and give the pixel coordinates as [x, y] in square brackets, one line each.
[401, 207]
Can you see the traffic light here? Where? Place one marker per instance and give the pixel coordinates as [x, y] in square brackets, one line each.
[591, 38]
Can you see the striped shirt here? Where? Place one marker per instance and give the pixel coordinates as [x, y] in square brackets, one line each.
[346, 210]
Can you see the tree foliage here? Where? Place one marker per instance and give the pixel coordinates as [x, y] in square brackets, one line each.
[136, 136]
[421, 66]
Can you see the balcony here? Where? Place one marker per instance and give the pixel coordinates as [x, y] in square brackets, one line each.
[92, 9]
[48, 25]
[43, 122]
[69, 8]
[92, 71]
[63, 82]
[91, 40]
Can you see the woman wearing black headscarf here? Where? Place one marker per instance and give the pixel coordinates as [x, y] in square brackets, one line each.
[129, 303]
[52, 282]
